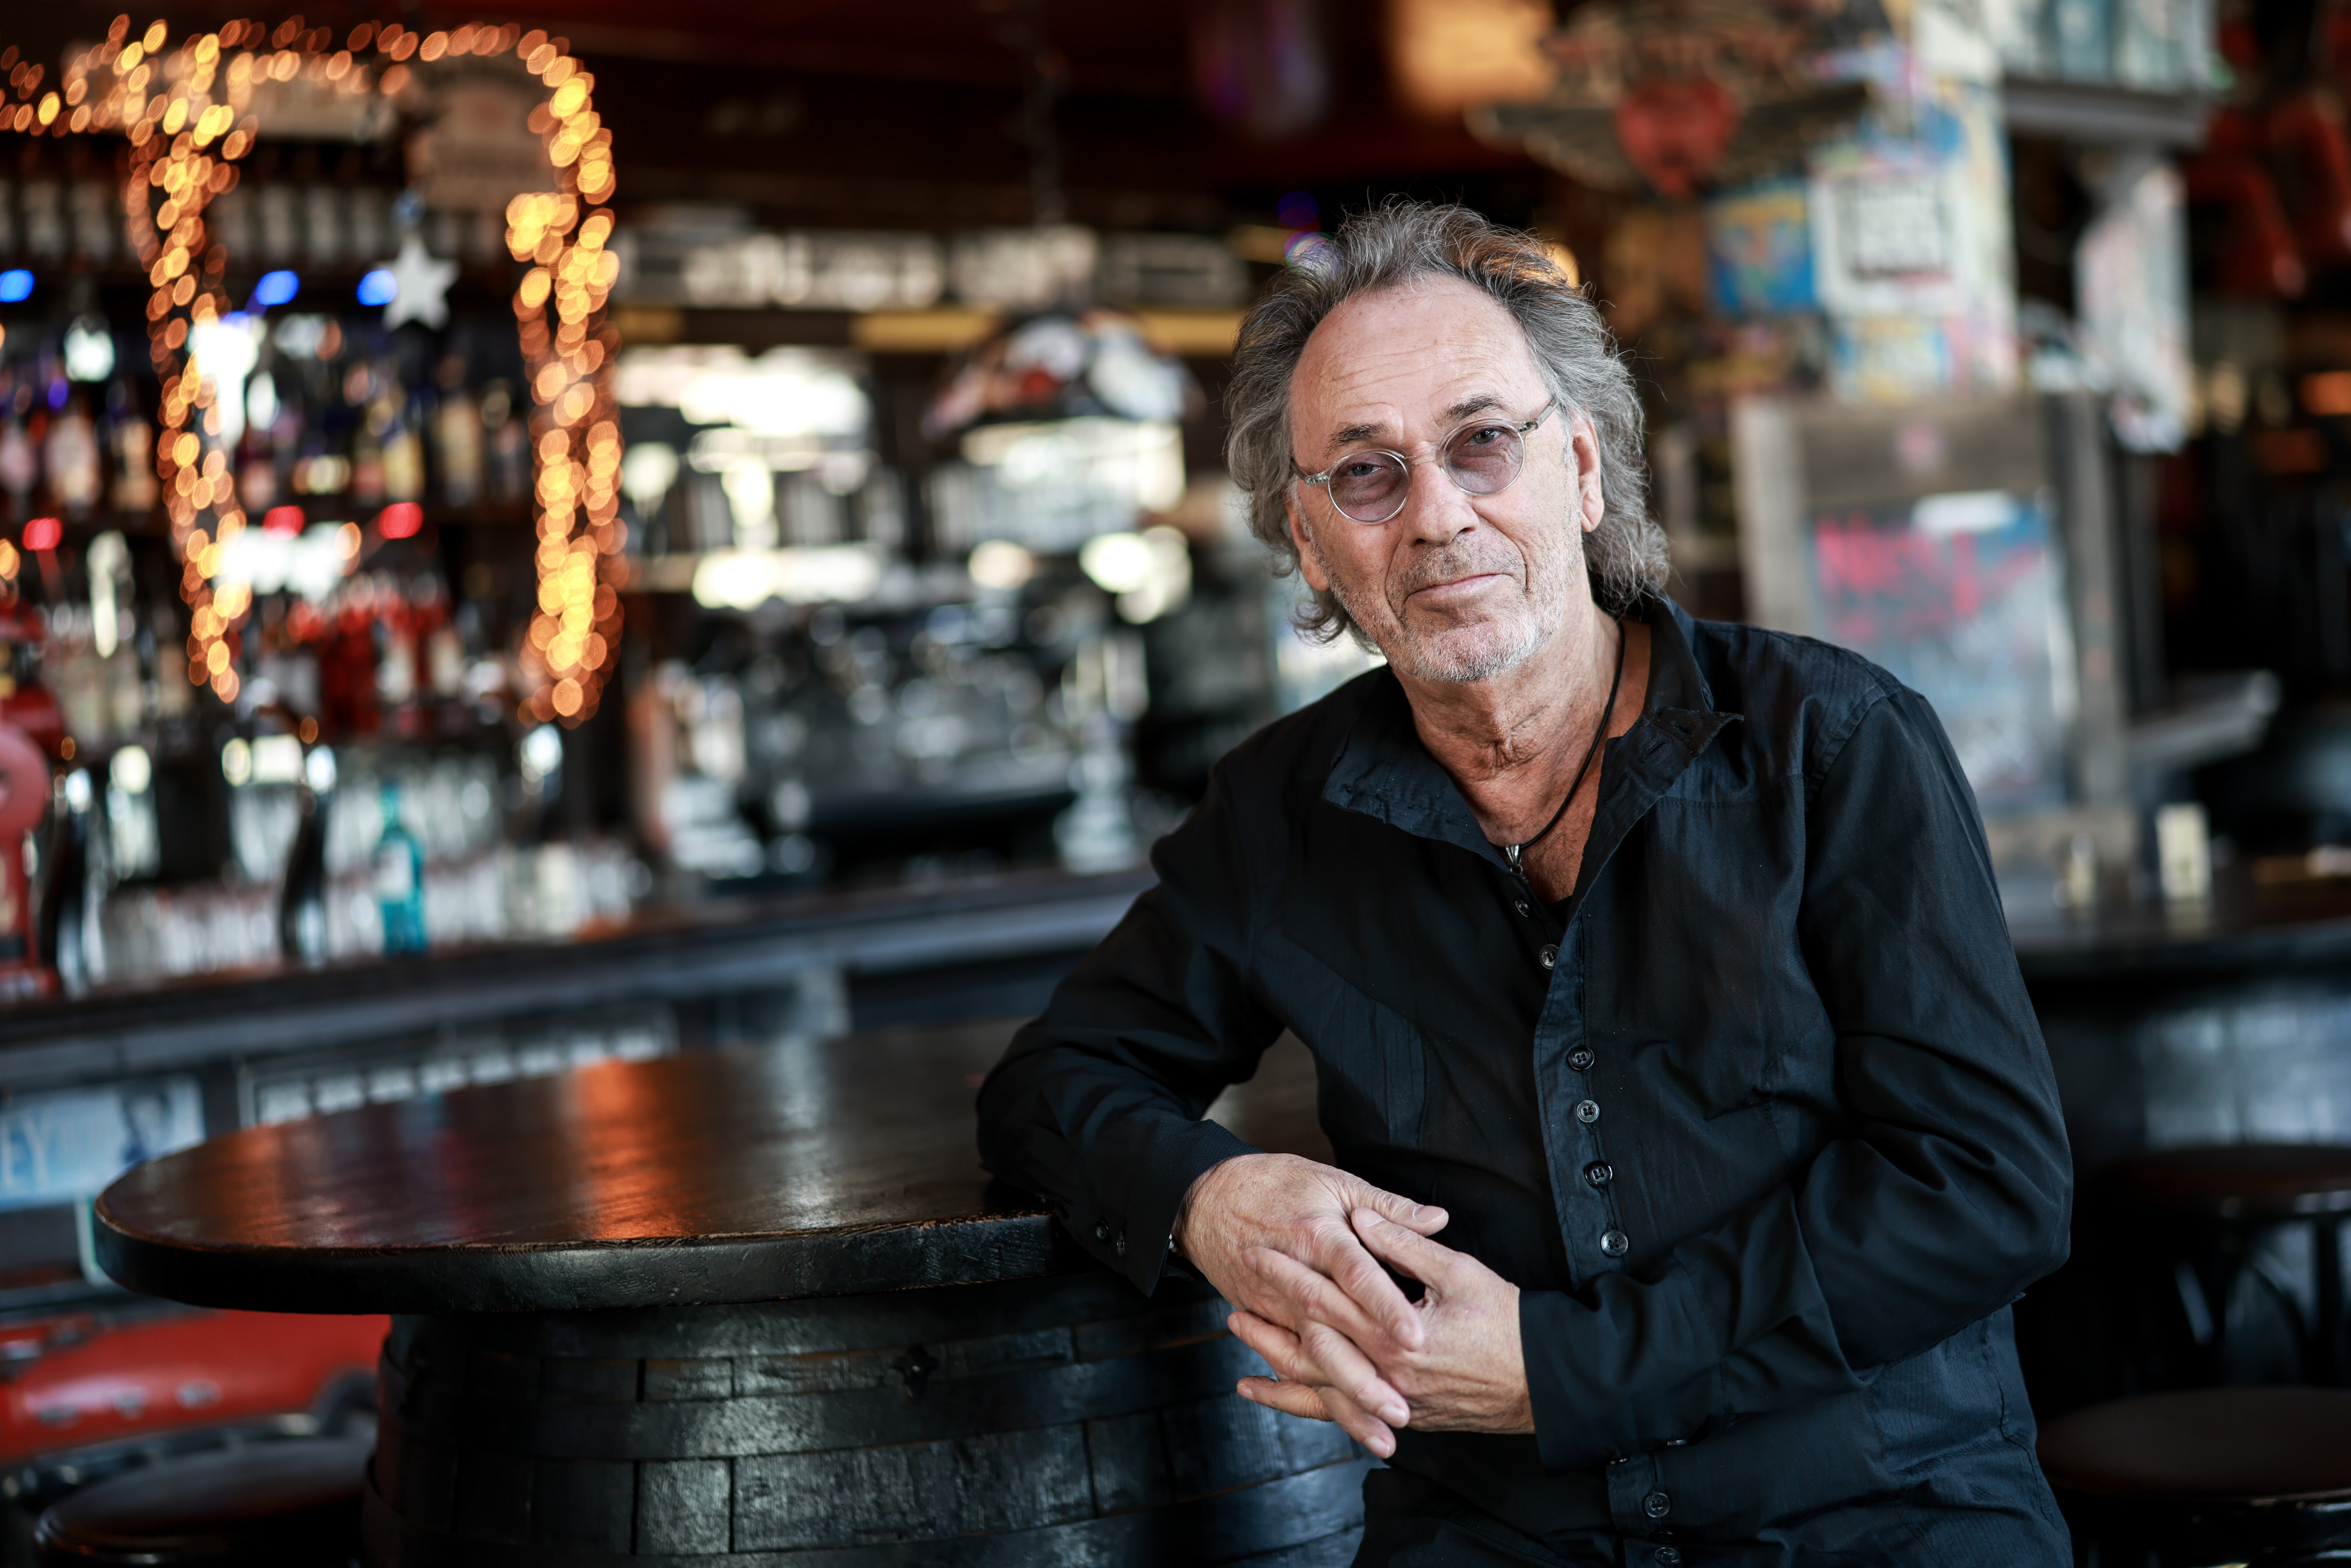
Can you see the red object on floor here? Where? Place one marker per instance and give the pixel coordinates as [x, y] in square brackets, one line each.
[76, 1380]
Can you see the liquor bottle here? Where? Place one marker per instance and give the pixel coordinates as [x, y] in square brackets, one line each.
[366, 470]
[131, 444]
[508, 443]
[395, 670]
[302, 900]
[76, 475]
[257, 456]
[399, 878]
[66, 929]
[25, 773]
[20, 467]
[457, 436]
[403, 423]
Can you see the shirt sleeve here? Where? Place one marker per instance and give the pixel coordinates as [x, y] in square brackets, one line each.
[1097, 1105]
[1950, 1193]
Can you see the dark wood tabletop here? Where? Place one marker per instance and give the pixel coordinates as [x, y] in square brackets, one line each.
[2245, 931]
[716, 1176]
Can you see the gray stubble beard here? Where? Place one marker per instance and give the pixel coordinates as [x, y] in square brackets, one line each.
[1544, 605]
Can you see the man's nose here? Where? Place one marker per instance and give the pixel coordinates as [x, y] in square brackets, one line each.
[1437, 509]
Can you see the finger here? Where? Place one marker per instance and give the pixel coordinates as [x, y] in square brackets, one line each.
[1320, 1355]
[1279, 1394]
[1306, 1294]
[1327, 1359]
[1354, 1293]
[1315, 1299]
[1423, 1218]
[1336, 1252]
[1275, 1345]
[1431, 1262]
[1369, 1430]
[1346, 1369]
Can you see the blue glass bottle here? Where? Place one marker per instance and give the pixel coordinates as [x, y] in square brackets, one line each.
[399, 880]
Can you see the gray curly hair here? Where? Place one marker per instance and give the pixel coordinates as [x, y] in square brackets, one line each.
[1392, 246]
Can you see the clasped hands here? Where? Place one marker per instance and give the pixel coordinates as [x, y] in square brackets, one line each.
[1297, 1247]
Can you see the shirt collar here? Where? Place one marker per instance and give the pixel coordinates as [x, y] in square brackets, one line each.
[1384, 772]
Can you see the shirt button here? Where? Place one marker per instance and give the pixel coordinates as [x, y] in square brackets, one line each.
[1656, 1505]
[1587, 1111]
[1550, 956]
[1523, 908]
[1119, 1246]
[1580, 1059]
[1600, 1173]
[1666, 1557]
[1101, 1233]
[1616, 1243]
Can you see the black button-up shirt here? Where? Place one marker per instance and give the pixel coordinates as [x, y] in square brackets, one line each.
[1758, 1118]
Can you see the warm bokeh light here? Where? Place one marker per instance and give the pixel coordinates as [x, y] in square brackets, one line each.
[2328, 392]
[186, 137]
[1450, 55]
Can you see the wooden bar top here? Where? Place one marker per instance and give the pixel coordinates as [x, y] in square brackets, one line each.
[709, 1177]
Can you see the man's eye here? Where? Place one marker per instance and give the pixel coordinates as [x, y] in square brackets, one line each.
[1484, 436]
[1364, 470]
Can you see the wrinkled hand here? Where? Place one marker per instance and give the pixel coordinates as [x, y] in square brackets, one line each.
[1294, 1209]
[1463, 1372]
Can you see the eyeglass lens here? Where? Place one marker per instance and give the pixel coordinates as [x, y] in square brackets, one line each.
[1482, 459]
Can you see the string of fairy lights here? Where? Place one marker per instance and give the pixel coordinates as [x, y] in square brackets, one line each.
[187, 113]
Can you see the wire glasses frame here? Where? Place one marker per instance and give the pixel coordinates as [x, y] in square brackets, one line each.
[1481, 459]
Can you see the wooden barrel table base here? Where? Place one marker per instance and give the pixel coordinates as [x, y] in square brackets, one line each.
[1015, 1425]
[748, 1307]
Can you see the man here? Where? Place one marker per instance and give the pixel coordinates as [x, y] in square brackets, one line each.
[1667, 1030]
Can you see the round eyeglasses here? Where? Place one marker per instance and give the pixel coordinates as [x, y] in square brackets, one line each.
[1482, 458]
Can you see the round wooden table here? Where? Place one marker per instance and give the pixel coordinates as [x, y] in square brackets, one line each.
[748, 1307]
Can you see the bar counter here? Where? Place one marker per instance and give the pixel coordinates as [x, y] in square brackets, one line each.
[2216, 1024]
[725, 947]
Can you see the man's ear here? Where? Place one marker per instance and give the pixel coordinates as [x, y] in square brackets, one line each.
[1307, 566]
[1585, 442]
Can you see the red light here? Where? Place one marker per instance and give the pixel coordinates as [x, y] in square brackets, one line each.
[43, 533]
[282, 520]
[400, 519]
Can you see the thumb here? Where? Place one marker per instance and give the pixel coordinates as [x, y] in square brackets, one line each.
[1421, 1218]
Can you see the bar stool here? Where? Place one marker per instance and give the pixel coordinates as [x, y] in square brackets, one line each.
[293, 1503]
[2225, 1194]
[2259, 1476]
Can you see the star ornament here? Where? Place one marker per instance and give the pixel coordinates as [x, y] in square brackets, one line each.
[418, 286]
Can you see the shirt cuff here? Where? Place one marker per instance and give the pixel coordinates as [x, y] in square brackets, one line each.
[1570, 1433]
[1132, 1234]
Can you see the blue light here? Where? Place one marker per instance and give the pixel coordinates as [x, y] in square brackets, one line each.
[276, 289]
[377, 287]
[57, 393]
[15, 284]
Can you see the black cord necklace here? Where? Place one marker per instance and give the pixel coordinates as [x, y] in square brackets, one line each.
[1515, 850]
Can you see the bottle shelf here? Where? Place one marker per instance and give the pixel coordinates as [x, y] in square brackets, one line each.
[2104, 115]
